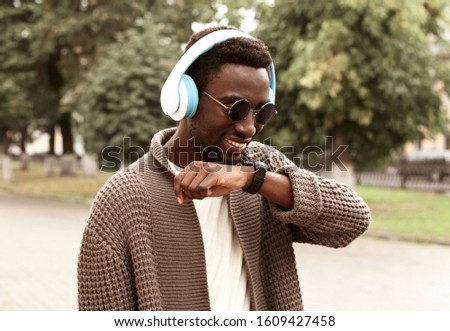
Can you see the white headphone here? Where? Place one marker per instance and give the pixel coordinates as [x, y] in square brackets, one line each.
[179, 95]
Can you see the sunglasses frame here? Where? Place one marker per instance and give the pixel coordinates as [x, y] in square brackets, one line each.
[255, 111]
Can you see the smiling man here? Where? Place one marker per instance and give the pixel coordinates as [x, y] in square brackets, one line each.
[206, 219]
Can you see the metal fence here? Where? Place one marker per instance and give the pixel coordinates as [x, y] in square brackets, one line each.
[391, 178]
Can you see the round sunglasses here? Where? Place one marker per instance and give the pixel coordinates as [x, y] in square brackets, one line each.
[240, 109]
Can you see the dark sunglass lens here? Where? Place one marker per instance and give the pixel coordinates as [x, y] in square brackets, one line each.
[265, 113]
[239, 110]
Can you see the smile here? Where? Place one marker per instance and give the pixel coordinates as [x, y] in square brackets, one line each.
[235, 143]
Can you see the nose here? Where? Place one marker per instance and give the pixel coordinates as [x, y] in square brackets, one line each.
[246, 127]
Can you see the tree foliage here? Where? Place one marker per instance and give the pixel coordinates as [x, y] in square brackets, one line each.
[16, 76]
[48, 45]
[119, 98]
[360, 69]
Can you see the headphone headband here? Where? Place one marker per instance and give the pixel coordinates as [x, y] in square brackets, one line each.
[176, 86]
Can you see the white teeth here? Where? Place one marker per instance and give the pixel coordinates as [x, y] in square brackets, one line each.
[234, 143]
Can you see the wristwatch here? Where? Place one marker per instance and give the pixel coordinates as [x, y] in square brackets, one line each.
[258, 178]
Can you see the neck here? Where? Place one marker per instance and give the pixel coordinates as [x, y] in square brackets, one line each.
[181, 149]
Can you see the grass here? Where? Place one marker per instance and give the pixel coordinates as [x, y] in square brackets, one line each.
[417, 215]
[35, 181]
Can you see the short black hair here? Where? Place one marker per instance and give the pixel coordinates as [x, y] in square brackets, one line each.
[245, 51]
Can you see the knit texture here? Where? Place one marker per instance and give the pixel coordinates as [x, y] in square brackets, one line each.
[141, 250]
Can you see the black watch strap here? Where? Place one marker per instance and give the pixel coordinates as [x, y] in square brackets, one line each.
[258, 178]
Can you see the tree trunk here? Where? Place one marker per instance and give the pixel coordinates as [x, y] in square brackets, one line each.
[51, 162]
[68, 160]
[65, 122]
[24, 158]
[51, 141]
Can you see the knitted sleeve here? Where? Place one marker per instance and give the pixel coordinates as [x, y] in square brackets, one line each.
[104, 282]
[326, 212]
[116, 266]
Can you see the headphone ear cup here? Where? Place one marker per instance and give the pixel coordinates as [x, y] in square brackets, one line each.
[192, 92]
[187, 90]
[271, 95]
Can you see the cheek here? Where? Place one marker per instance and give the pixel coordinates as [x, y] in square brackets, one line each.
[206, 121]
[203, 129]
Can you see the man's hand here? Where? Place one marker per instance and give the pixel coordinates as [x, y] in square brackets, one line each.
[206, 179]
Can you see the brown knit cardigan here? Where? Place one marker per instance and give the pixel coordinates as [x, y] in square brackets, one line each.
[143, 251]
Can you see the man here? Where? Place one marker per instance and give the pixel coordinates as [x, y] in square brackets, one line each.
[207, 218]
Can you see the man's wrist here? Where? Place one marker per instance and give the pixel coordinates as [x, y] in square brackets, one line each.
[258, 177]
[249, 172]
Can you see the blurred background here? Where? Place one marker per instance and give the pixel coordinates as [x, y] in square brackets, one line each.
[362, 94]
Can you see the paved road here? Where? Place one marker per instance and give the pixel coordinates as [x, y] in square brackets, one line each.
[39, 242]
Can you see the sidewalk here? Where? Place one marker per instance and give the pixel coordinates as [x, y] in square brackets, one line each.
[40, 239]
[375, 274]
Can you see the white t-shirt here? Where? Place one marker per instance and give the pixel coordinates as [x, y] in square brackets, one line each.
[225, 268]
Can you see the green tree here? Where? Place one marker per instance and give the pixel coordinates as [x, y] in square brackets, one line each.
[48, 45]
[361, 71]
[16, 73]
[119, 98]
